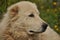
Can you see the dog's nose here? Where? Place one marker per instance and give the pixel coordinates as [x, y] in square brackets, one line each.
[44, 26]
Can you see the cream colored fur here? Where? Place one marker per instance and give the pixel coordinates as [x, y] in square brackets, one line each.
[16, 24]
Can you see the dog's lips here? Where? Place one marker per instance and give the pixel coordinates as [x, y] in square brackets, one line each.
[37, 32]
[34, 32]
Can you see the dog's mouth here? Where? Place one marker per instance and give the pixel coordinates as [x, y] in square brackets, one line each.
[34, 32]
[38, 31]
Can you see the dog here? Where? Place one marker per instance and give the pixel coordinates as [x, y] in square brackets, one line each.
[22, 22]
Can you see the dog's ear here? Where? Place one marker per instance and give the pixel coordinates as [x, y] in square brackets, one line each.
[13, 11]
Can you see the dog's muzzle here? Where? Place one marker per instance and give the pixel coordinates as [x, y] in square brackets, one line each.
[44, 27]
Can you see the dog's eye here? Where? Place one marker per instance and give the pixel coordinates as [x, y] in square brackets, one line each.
[31, 15]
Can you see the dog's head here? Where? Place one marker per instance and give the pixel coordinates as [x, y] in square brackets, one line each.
[25, 15]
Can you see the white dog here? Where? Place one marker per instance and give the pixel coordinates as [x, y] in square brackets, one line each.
[22, 22]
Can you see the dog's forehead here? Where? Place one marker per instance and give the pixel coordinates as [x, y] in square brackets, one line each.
[28, 6]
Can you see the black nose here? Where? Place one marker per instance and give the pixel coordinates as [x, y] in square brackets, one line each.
[44, 26]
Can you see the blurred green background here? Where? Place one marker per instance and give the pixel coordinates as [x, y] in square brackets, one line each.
[49, 11]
